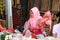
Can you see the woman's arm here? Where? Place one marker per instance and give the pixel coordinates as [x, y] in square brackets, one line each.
[54, 35]
[26, 26]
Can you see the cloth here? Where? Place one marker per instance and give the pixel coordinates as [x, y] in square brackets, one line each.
[2, 28]
[40, 36]
[10, 29]
[17, 31]
[56, 30]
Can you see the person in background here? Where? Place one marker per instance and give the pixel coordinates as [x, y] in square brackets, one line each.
[46, 23]
[56, 27]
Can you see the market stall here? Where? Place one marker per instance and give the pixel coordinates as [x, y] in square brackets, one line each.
[11, 36]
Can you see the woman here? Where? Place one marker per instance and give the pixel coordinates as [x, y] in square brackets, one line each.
[32, 23]
[46, 23]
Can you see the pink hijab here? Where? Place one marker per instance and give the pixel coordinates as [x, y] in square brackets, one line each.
[36, 12]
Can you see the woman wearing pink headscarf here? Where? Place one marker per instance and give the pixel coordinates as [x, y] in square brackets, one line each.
[46, 20]
[33, 23]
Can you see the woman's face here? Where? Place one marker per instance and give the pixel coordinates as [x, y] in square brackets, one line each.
[31, 13]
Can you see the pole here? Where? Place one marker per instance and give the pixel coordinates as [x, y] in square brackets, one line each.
[9, 13]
